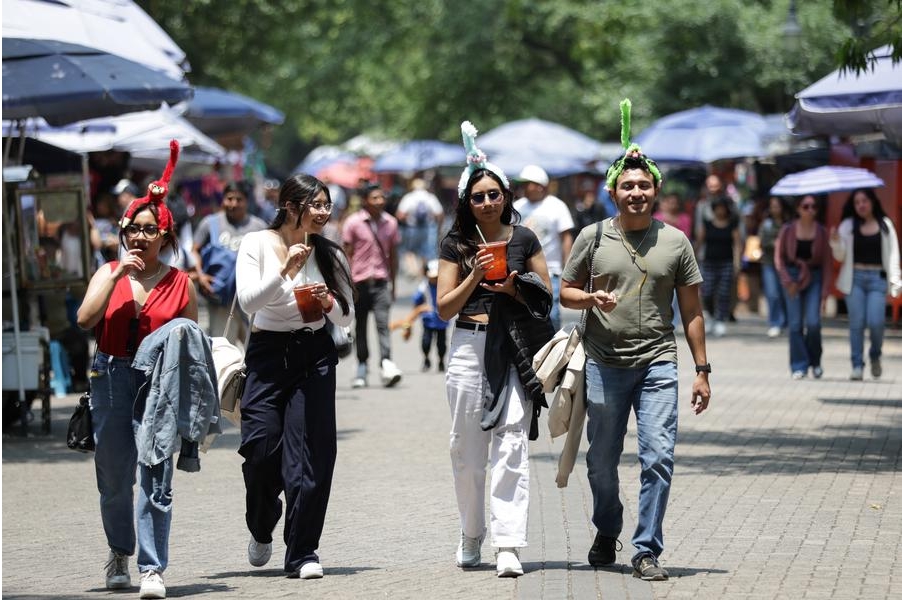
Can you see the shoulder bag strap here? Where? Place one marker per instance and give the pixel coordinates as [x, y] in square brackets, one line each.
[598, 227]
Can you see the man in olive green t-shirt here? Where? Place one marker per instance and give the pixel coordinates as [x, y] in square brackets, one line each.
[632, 354]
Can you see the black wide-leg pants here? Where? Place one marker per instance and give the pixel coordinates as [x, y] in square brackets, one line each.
[288, 437]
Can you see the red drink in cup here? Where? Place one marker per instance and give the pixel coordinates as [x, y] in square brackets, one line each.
[310, 307]
[498, 270]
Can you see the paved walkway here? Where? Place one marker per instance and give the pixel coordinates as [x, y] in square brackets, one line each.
[783, 489]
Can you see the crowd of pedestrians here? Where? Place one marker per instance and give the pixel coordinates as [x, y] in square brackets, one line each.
[495, 280]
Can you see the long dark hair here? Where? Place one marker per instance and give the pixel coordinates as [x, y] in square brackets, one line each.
[463, 232]
[848, 209]
[300, 190]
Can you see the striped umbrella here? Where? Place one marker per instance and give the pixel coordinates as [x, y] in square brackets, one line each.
[823, 180]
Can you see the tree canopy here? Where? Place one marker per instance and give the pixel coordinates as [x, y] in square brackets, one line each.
[417, 68]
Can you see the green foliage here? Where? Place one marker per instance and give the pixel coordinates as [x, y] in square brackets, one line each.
[417, 68]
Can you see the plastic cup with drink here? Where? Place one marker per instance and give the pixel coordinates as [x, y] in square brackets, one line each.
[498, 270]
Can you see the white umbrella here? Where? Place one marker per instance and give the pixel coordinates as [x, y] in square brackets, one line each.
[823, 180]
[853, 104]
[140, 133]
[118, 27]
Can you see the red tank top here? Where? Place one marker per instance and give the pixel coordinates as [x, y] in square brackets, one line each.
[166, 301]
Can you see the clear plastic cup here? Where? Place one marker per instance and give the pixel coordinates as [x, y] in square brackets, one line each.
[498, 270]
[309, 305]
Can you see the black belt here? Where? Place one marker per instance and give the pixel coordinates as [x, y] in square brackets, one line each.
[472, 326]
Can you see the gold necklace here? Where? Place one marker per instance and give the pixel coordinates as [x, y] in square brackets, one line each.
[135, 278]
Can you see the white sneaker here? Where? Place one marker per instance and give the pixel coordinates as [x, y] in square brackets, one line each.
[258, 554]
[391, 374]
[117, 575]
[773, 332]
[469, 551]
[857, 374]
[720, 329]
[311, 570]
[508, 563]
[152, 585]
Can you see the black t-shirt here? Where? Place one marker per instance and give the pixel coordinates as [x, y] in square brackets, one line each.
[522, 245]
[719, 242]
[866, 248]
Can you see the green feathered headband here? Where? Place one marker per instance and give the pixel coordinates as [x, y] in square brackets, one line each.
[630, 150]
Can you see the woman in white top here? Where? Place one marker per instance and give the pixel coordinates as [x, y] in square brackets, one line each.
[867, 246]
[288, 437]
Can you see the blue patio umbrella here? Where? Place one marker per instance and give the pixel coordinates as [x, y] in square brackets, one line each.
[851, 104]
[218, 112]
[64, 83]
[418, 155]
[704, 135]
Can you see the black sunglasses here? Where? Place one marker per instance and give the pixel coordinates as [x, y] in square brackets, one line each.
[479, 197]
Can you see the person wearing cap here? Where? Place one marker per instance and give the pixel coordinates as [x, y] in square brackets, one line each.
[126, 301]
[126, 192]
[493, 404]
[371, 238]
[434, 327]
[550, 219]
[631, 351]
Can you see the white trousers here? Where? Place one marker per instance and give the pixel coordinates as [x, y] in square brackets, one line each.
[505, 448]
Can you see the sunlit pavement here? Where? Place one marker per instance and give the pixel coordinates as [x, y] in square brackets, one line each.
[783, 489]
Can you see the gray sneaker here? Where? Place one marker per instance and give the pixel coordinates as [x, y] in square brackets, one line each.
[117, 575]
[857, 374]
[876, 368]
[647, 568]
[258, 554]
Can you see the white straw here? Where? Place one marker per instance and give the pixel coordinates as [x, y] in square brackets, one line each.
[479, 231]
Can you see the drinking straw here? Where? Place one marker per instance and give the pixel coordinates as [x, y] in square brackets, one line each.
[479, 231]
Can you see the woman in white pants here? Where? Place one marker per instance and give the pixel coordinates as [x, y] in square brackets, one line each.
[485, 213]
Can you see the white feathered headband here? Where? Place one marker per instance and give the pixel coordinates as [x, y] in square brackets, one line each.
[476, 159]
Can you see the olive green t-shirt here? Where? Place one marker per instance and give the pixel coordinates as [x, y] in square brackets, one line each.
[639, 331]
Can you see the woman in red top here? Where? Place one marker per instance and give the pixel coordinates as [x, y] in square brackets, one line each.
[125, 301]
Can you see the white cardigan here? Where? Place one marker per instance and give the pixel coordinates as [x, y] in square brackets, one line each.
[262, 289]
[889, 257]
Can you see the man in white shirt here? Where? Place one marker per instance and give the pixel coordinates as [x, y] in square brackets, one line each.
[550, 219]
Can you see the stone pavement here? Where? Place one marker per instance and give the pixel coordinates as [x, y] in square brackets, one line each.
[783, 489]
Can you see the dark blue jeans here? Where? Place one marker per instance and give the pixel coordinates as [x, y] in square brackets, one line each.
[288, 437]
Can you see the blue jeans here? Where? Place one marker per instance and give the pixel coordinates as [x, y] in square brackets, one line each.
[651, 392]
[803, 313]
[114, 386]
[866, 304]
[775, 295]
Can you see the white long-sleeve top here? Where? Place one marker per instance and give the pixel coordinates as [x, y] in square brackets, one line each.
[889, 254]
[263, 290]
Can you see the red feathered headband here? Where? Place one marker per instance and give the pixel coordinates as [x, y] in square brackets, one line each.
[156, 194]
